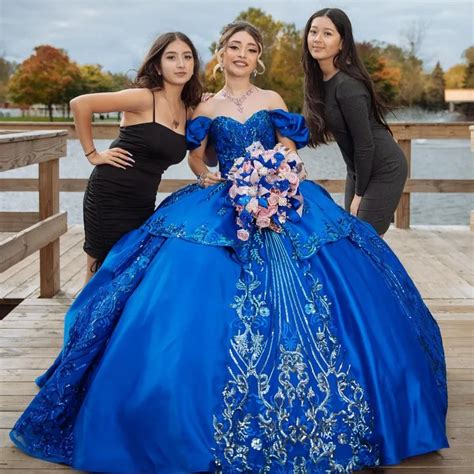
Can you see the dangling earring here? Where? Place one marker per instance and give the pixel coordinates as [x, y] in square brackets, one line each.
[254, 73]
[262, 66]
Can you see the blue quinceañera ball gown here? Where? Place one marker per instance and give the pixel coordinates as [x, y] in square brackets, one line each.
[302, 351]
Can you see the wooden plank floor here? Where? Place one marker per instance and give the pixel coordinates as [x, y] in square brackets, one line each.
[440, 259]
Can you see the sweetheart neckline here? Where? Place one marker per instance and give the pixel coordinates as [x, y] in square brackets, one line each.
[234, 119]
[238, 121]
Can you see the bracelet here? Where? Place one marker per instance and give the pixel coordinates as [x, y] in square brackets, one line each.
[202, 177]
[90, 153]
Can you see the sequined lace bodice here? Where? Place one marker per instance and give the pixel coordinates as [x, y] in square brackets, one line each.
[230, 137]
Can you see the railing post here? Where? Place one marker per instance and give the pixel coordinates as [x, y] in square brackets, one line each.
[471, 132]
[402, 214]
[49, 205]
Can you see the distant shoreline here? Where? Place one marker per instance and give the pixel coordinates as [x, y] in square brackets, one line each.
[414, 114]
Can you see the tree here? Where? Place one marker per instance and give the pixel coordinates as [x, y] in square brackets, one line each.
[413, 36]
[454, 76]
[286, 71]
[407, 68]
[386, 77]
[120, 81]
[434, 94]
[469, 74]
[213, 82]
[93, 79]
[7, 68]
[412, 82]
[44, 78]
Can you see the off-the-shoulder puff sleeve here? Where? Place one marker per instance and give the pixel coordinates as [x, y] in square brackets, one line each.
[291, 126]
[196, 131]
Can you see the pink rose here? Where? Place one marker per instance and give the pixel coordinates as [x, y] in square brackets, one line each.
[252, 191]
[272, 178]
[292, 178]
[242, 234]
[233, 191]
[263, 221]
[284, 168]
[267, 211]
[246, 167]
[273, 199]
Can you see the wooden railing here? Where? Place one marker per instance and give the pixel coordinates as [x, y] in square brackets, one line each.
[41, 230]
[403, 132]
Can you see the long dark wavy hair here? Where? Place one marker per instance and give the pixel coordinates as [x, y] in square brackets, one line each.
[148, 77]
[348, 61]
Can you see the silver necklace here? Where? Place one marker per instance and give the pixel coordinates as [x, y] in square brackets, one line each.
[238, 101]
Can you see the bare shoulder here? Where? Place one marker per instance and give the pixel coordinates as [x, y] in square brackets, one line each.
[127, 100]
[206, 108]
[142, 98]
[273, 99]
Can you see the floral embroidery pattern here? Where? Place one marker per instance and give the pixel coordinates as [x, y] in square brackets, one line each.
[45, 429]
[290, 403]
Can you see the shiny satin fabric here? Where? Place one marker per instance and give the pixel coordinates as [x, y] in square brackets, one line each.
[308, 350]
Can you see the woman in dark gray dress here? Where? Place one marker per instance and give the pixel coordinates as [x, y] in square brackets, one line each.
[340, 101]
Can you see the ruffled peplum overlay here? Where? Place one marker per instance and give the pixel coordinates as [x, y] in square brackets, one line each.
[308, 350]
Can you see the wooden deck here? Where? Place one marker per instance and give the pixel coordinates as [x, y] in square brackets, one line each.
[440, 259]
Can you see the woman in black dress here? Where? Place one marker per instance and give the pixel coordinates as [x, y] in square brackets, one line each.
[340, 101]
[122, 188]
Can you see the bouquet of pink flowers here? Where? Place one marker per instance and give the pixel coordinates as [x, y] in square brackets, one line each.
[265, 188]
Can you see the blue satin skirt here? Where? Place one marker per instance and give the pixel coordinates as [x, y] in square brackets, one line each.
[308, 350]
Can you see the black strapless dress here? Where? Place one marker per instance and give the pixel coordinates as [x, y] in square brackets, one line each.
[118, 200]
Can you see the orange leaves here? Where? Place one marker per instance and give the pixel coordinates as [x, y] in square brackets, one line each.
[44, 77]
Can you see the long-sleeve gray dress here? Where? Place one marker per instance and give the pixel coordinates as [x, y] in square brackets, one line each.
[376, 166]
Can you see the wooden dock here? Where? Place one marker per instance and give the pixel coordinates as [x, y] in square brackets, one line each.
[440, 260]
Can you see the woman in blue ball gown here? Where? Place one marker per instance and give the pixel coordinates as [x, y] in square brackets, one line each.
[308, 350]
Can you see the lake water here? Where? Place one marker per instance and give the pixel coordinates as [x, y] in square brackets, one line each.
[436, 159]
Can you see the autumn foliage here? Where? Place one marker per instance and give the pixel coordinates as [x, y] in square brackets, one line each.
[45, 77]
[398, 74]
[50, 77]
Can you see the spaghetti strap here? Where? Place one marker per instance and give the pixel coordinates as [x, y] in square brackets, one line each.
[153, 94]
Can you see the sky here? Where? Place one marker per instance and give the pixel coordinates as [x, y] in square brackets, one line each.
[118, 33]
